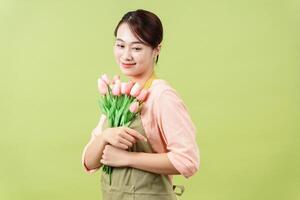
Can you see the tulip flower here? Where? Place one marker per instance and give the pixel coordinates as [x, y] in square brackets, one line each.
[143, 95]
[117, 88]
[123, 87]
[115, 78]
[135, 90]
[105, 78]
[134, 107]
[129, 86]
[102, 87]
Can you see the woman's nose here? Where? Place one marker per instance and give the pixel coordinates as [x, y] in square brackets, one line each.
[127, 55]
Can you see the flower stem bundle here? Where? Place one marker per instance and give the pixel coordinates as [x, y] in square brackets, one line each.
[120, 102]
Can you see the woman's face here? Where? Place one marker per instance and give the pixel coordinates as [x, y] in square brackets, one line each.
[134, 58]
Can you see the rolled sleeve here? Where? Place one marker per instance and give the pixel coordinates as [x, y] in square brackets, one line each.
[178, 132]
[95, 132]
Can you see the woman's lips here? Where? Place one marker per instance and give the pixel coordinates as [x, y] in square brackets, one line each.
[128, 65]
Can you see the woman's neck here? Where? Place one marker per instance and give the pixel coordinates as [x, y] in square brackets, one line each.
[143, 78]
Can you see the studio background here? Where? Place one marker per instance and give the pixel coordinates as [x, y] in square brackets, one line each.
[234, 63]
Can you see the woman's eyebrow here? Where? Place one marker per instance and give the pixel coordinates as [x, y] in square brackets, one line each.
[134, 42]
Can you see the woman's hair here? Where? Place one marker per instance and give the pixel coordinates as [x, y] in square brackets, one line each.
[146, 26]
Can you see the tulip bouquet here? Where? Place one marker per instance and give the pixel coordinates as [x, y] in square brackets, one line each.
[120, 102]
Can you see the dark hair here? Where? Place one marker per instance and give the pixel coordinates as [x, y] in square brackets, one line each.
[146, 26]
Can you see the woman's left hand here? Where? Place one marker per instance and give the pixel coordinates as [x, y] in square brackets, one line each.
[115, 157]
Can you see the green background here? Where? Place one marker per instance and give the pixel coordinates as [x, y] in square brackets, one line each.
[235, 63]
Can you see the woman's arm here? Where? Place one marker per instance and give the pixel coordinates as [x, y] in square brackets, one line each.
[119, 137]
[93, 152]
[178, 132]
[153, 162]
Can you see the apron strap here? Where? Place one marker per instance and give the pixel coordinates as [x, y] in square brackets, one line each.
[181, 187]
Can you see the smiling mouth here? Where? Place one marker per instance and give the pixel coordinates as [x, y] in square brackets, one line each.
[128, 64]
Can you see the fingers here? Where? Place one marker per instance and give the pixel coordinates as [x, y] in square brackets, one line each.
[123, 137]
[125, 142]
[104, 162]
[135, 134]
[119, 142]
[128, 137]
[121, 145]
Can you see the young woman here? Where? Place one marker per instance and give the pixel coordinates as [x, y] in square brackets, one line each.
[161, 138]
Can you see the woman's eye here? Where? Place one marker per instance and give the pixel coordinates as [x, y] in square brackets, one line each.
[137, 48]
[120, 45]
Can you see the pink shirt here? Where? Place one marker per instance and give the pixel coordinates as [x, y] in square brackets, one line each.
[168, 127]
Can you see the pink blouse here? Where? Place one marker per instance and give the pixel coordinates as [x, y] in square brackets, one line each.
[168, 127]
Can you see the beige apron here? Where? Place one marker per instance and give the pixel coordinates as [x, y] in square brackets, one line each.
[133, 184]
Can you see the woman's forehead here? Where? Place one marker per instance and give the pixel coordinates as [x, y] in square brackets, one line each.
[124, 34]
[129, 42]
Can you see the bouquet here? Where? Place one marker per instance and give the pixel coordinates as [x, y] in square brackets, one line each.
[120, 102]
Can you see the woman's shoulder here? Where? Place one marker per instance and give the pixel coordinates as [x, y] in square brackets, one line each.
[165, 99]
[160, 88]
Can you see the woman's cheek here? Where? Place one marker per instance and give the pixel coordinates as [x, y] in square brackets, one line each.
[117, 53]
[137, 57]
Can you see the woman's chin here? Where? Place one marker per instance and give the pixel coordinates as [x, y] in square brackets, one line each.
[127, 72]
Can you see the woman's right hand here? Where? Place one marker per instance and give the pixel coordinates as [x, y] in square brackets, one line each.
[122, 137]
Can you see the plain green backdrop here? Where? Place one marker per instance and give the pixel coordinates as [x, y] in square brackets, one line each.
[235, 64]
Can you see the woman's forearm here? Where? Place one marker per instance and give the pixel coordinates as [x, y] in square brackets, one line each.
[94, 152]
[158, 163]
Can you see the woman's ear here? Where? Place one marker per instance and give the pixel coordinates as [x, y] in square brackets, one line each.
[156, 52]
[158, 48]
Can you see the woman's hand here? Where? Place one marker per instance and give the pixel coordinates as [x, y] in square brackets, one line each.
[122, 137]
[115, 157]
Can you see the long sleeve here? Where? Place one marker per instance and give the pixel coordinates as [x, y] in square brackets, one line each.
[178, 133]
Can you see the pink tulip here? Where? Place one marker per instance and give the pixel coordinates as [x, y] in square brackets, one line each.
[143, 95]
[123, 87]
[135, 90]
[115, 78]
[129, 86]
[102, 86]
[117, 88]
[105, 78]
[134, 107]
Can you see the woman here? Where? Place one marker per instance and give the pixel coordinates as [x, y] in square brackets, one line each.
[161, 138]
